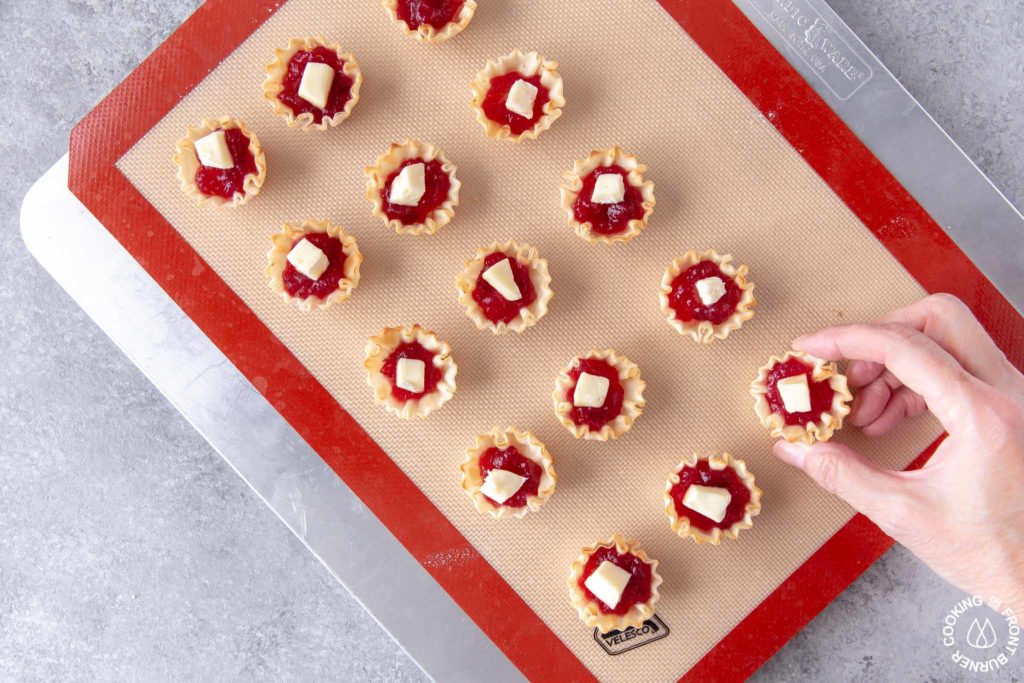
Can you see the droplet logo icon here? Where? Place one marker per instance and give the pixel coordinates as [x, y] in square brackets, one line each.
[981, 636]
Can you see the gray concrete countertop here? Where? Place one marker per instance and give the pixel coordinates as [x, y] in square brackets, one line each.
[128, 548]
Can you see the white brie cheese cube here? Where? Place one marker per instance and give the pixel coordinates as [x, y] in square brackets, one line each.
[591, 391]
[315, 86]
[521, 97]
[409, 374]
[213, 151]
[308, 259]
[607, 583]
[500, 277]
[710, 290]
[409, 186]
[710, 501]
[500, 485]
[795, 394]
[609, 188]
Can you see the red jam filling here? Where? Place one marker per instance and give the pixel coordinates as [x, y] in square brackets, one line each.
[511, 460]
[595, 418]
[497, 308]
[608, 219]
[685, 301]
[703, 475]
[341, 87]
[637, 591]
[436, 13]
[494, 103]
[821, 392]
[225, 182]
[436, 185]
[415, 350]
[302, 287]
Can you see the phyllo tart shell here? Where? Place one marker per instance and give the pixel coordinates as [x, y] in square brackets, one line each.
[277, 261]
[425, 33]
[391, 161]
[825, 425]
[188, 163]
[528, 315]
[380, 346]
[599, 158]
[529, 446]
[632, 403]
[705, 331]
[589, 611]
[681, 524]
[526, 64]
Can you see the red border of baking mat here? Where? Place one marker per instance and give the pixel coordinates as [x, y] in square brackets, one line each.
[751, 62]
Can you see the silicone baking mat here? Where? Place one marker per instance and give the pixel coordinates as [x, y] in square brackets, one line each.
[829, 237]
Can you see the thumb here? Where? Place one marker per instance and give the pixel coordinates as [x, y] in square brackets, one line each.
[843, 471]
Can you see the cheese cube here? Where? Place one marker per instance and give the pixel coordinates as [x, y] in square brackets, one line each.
[500, 277]
[521, 97]
[410, 374]
[213, 151]
[607, 583]
[308, 259]
[315, 86]
[795, 394]
[609, 188]
[710, 290]
[591, 391]
[409, 186]
[710, 501]
[500, 485]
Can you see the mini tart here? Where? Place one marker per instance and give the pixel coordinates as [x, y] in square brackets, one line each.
[410, 341]
[591, 220]
[500, 75]
[683, 308]
[722, 471]
[594, 613]
[827, 411]
[583, 422]
[227, 187]
[437, 206]
[486, 307]
[530, 458]
[285, 73]
[336, 283]
[457, 12]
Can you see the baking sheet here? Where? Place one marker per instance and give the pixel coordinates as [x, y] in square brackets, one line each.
[723, 178]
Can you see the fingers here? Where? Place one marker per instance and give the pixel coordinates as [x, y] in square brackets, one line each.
[872, 399]
[840, 470]
[915, 360]
[950, 323]
[902, 404]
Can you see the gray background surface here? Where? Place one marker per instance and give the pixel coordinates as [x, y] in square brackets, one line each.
[128, 548]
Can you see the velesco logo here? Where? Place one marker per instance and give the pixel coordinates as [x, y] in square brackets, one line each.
[980, 637]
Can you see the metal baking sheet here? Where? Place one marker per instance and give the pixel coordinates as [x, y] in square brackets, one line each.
[294, 481]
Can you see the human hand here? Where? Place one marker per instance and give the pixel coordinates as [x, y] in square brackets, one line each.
[963, 512]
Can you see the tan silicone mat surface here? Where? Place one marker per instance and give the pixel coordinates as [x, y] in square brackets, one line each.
[724, 179]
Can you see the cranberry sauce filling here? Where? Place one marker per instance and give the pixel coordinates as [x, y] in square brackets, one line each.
[225, 182]
[341, 87]
[436, 182]
[300, 286]
[431, 375]
[685, 301]
[608, 219]
[511, 460]
[436, 13]
[497, 308]
[703, 475]
[494, 103]
[637, 591]
[821, 392]
[595, 418]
